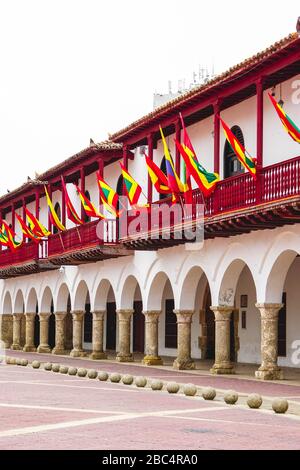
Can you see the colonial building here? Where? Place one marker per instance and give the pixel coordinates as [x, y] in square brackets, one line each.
[234, 299]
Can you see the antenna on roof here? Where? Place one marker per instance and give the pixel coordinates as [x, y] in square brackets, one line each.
[170, 87]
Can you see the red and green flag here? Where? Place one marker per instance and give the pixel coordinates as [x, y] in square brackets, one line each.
[288, 124]
[36, 226]
[3, 237]
[71, 211]
[174, 182]
[133, 189]
[53, 215]
[246, 160]
[10, 235]
[88, 206]
[108, 196]
[157, 176]
[28, 233]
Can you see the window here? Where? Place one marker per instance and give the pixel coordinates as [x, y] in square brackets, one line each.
[171, 326]
[163, 167]
[119, 191]
[282, 328]
[244, 320]
[232, 165]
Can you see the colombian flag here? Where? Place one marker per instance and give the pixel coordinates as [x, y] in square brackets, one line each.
[287, 122]
[174, 182]
[36, 226]
[158, 178]
[239, 150]
[27, 231]
[71, 212]
[133, 189]
[108, 196]
[88, 206]
[3, 237]
[53, 216]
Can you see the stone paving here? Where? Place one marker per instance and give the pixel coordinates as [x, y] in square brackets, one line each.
[44, 410]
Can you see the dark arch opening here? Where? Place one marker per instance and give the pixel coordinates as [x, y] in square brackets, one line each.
[232, 165]
[86, 218]
[58, 213]
[163, 167]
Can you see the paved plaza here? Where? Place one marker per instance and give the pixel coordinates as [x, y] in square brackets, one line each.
[44, 410]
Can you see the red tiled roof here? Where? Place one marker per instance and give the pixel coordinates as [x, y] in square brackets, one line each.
[198, 90]
[105, 146]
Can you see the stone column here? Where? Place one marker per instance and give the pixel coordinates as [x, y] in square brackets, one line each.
[29, 334]
[59, 333]
[269, 369]
[44, 333]
[124, 318]
[98, 321]
[184, 323]
[77, 350]
[17, 318]
[222, 364]
[151, 339]
[6, 330]
[203, 337]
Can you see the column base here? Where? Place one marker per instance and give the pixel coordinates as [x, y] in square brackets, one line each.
[43, 349]
[269, 374]
[152, 361]
[184, 365]
[121, 358]
[77, 353]
[59, 352]
[222, 369]
[98, 355]
[29, 349]
[16, 347]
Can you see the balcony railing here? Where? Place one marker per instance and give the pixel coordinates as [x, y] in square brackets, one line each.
[83, 237]
[26, 253]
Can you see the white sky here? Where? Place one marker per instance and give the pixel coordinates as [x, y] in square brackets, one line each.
[75, 69]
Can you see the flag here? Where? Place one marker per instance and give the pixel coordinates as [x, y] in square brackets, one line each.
[27, 231]
[53, 216]
[174, 182]
[88, 206]
[240, 151]
[157, 176]
[287, 122]
[108, 196]
[133, 189]
[188, 147]
[10, 235]
[36, 226]
[3, 237]
[71, 211]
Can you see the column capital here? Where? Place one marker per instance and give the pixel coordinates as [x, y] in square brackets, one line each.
[6, 316]
[60, 315]
[98, 314]
[18, 316]
[124, 314]
[269, 311]
[77, 314]
[30, 315]
[44, 316]
[222, 312]
[184, 316]
[151, 316]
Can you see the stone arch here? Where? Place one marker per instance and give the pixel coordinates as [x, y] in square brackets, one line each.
[154, 295]
[105, 301]
[31, 301]
[46, 301]
[275, 279]
[225, 293]
[100, 299]
[61, 299]
[81, 293]
[128, 291]
[7, 304]
[19, 303]
[188, 288]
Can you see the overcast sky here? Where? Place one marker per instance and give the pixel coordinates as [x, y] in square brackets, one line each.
[75, 69]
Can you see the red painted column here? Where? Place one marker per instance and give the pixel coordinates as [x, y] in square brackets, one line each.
[125, 163]
[260, 122]
[177, 153]
[37, 203]
[101, 171]
[150, 155]
[24, 215]
[82, 187]
[217, 137]
[13, 217]
[63, 206]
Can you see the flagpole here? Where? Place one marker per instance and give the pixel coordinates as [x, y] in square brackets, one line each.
[78, 233]
[62, 243]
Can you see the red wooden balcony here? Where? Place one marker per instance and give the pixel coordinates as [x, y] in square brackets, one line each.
[238, 205]
[90, 242]
[28, 259]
